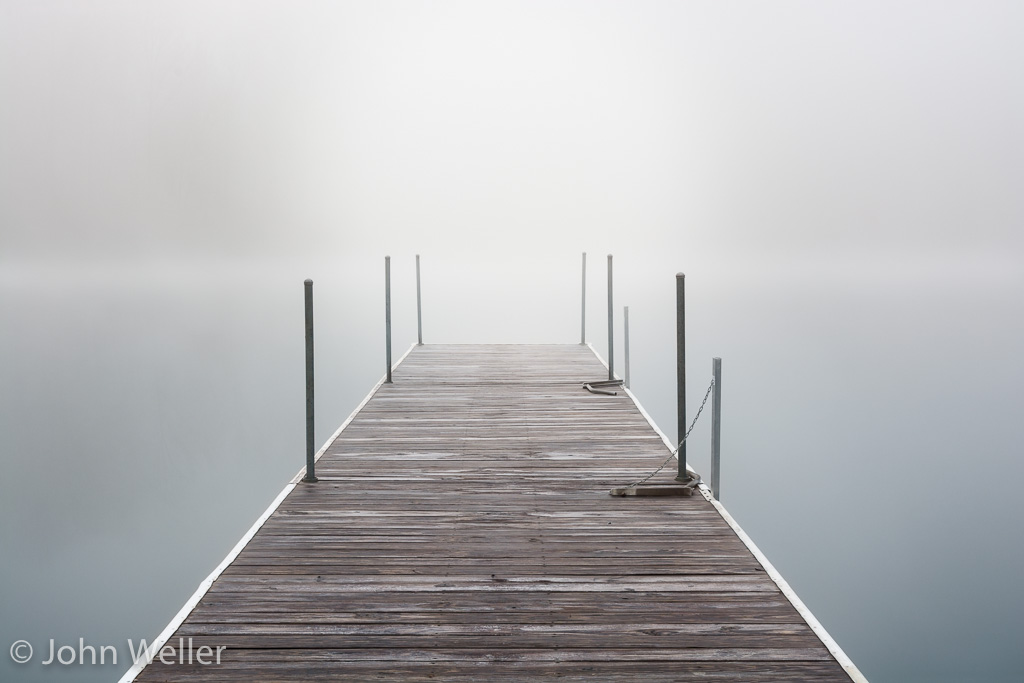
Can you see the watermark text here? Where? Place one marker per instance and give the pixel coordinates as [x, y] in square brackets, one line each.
[182, 652]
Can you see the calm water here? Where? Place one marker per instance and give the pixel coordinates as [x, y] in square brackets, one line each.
[870, 437]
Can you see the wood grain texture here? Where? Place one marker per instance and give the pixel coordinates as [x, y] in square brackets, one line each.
[462, 530]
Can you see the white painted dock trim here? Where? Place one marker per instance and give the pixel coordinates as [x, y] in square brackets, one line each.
[787, 590]
[776, 577]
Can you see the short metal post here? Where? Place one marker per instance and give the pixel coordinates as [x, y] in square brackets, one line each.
[419, 306]
[681, 372]
[387, 313]
[625, 342]
[716, 429]
[611, 320]
[310, 476]
[583, 309]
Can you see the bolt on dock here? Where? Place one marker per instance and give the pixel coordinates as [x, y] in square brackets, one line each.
[462, 529]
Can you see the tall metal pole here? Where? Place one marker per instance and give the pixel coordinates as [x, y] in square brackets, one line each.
[310, 476]
[625, 342]
[419, 305]
[583, 309]
[681, 372]
[611, 320]
[387, 312]
[716, 429]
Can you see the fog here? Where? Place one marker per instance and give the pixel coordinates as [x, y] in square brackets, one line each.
[840, 182]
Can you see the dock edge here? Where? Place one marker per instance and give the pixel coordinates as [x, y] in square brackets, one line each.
[206, 583]
[833, 647]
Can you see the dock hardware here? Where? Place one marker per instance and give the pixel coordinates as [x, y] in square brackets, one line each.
[598, 387]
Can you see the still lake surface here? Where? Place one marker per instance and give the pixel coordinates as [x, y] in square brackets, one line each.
[871, 436]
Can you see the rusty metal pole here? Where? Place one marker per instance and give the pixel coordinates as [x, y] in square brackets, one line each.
[681, 372]
[310, 476]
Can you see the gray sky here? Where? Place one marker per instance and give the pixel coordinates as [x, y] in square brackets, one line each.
[875, 133]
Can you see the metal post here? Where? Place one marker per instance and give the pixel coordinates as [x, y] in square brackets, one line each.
[419, 305]
[387, 313]
[716, 429]
[611, 320]
[681, 372]
[310, 447]
[583, 309]
[625, 344]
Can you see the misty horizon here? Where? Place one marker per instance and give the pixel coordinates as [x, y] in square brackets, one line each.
[840, 183]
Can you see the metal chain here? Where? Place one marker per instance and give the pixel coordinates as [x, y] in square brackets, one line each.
[681, 441]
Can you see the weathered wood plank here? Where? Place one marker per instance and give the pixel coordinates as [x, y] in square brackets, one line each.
[462, 530]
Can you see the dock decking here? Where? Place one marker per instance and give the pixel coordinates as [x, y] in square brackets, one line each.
[462, 530]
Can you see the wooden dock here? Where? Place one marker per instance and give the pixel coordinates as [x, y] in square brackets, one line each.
[462, 530]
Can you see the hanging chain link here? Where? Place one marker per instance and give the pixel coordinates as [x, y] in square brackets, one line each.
[674, 453]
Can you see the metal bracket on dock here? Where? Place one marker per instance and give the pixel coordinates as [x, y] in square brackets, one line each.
[596, 387]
